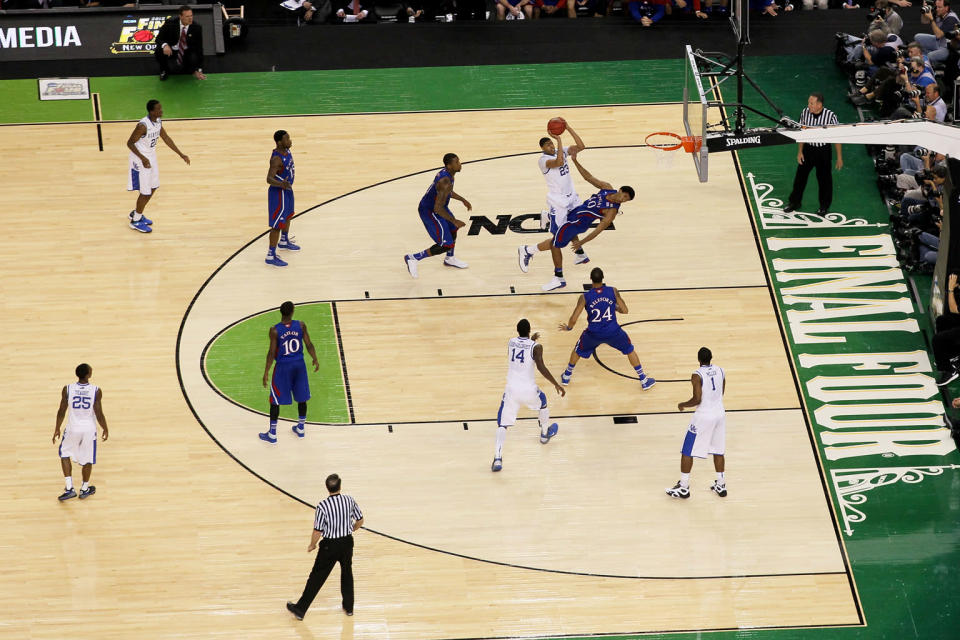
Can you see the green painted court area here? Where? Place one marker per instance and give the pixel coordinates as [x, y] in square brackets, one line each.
[235, 361]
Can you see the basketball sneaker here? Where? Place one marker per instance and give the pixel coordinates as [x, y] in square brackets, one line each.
[140, 225]
[647, 382]
[555, 283]
[525, 258]
[716, 487]
[411, 265]
[497, 464]
[144, 219]
[300, 431]
[676, 491]
[453, 261]
[89, 491]
[551, 431]
[275, 261]
[67, 494]
[581, 258]
[268, 437]
[564, 379]
[287, 243]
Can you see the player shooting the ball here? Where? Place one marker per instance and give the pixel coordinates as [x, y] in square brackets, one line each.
[599, 208]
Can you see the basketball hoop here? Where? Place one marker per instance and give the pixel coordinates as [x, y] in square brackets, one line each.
[666, 141]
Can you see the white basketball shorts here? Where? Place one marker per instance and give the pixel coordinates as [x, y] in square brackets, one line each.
[141, 178]
[513, 398]
[707, 434]
[80, 445]
[558, 206]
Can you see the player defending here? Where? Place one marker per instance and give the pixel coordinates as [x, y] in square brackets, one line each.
[287, 340]
[80, 437]
[522, 353]
[708, 427]
[561, 196]
[602, 304]
[280, 198]
[602, 206]
[144, 170]
[438, 220]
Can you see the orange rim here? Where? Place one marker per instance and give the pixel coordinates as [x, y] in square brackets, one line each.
[673, 143]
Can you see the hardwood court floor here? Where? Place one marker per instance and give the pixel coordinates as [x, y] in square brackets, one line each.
[180, 541]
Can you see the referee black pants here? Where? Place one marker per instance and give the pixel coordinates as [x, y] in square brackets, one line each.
[818, 158]
[329, 552]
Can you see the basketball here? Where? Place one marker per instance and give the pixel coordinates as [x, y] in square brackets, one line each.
[556, 126]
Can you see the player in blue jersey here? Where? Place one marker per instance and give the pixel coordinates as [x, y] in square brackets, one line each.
[599, 209]
[287, 340]
[438, 220]
[280, 198]
[602, 304]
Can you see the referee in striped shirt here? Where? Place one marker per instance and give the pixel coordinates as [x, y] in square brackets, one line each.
[337, 517]
[815, 155]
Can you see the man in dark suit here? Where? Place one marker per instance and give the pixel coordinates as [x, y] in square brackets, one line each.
[180, 46]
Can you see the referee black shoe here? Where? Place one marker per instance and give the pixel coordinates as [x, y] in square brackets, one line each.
[790, 207]
[292, 608]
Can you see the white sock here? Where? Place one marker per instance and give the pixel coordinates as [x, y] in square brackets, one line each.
[720, 477]
[531, 249]
[544, 420]
[501, 437]
[136, 215]
[84, 486]
[69, 482]
[685, 480]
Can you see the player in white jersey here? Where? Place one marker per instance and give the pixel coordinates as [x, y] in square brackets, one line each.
[523, 353]
[707, 433]
[79, 440]
[144, 170]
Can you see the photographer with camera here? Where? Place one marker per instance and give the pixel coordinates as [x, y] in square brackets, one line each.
[883, 14]
[913, 78]
[944, 24]
[934, 107]
[880, 52]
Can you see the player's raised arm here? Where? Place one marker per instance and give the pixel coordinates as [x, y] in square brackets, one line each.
[271, 354]
[621, 305]
[542, 368]
[138, 132]
[61, 414]
[309, 345]
[169, 142]
[599, 184]
[581, 303]
[98, 411]
[578, 141]
[697, 393]
[561, 157]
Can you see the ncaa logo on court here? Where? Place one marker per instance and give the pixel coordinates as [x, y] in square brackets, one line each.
[523, 223]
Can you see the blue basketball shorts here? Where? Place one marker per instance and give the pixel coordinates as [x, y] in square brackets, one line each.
[279, 206]
[589, 342]
[440, 230]
[571, 228]
[289, 378]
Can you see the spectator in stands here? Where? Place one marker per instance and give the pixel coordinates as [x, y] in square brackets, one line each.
[768, 7]
[688, 6]
[544, 8]
[306, 11]
[819, 4]
[716, 8]
[180, 46]
[418, 11]
[942, 21]
[355, 11]
[588, 8]
[645, 12]
[514, 9]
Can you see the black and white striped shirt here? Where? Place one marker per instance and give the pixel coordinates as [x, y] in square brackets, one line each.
[825, 117]
[335, 516]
